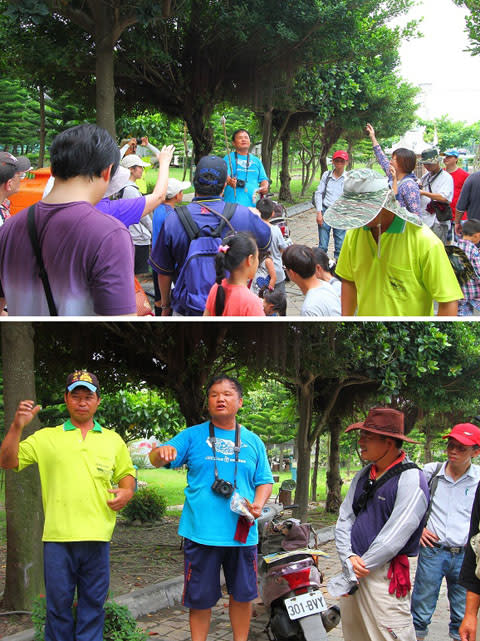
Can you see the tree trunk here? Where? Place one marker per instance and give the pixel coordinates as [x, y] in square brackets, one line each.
[334, 479]
[200, 131]
[315, 470]
[104, 71]
[41, 154]
[285, 179]
[24, 574]
[267, 146]
[305, 407]
[330, 134]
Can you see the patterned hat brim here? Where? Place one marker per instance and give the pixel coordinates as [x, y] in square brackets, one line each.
[353, 210]
[436, 160]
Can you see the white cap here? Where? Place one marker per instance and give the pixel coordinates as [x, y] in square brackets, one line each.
[132, 160]
[175, 186]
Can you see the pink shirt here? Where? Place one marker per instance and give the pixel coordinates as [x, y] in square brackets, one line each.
[239, 301]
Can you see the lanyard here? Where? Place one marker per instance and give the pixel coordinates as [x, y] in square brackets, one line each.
[236, 449]
[246, 170]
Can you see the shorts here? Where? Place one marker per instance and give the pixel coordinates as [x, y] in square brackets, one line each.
[202, 573]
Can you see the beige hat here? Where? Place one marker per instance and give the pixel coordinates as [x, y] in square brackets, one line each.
[118, 181]
[132, 160]
[175, 186]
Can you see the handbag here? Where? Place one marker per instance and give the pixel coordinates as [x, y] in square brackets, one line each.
[141, 300]
[32, 233]
[442, 210]
[475, 543]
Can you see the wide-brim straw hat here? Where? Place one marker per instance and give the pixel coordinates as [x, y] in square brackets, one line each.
[384, 421]
[365, 194]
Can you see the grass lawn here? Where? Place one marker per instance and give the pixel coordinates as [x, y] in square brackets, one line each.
[295, 184]
[172, 483]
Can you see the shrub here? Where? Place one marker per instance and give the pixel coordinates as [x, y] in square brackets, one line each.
[119, 622]
[147, 505]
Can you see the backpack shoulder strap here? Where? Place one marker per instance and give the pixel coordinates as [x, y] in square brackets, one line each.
[393, 471]
[329, 175]
[225, 216]
[190, 226]
[432, 486]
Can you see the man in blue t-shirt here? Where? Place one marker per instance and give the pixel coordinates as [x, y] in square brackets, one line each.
[222, 453]
[246, 174]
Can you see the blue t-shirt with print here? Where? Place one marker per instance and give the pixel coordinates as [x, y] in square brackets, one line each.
[158, 218]
[254, 176]
[206, 516]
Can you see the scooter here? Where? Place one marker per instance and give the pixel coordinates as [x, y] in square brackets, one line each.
[289, 581]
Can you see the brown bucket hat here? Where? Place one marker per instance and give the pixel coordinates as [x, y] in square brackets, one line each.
[384, 421]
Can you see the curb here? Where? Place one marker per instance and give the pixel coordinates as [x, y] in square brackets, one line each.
[157, 596]
[299, 208]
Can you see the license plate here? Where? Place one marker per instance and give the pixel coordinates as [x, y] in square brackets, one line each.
[305, 604]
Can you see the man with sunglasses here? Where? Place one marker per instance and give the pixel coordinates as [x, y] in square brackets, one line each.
[379, 527]
[452, 488]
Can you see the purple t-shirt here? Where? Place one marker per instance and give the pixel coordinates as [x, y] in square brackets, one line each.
[127, 212]
[88, 258]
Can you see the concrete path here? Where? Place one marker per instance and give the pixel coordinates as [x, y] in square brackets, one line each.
[172, 623]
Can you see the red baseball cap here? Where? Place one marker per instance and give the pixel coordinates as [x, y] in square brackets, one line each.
[340, 154]
[465, 433]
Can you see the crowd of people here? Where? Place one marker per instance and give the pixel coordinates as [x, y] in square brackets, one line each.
[403, 246]
[392, 511]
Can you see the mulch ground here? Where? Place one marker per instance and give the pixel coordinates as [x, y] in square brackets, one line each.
[139, 556]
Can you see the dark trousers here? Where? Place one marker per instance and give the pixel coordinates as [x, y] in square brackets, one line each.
[84, 565]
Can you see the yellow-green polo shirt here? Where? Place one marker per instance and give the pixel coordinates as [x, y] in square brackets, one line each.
[411, 271]
[75, 474]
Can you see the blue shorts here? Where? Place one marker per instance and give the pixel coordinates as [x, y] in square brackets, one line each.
[202, 573]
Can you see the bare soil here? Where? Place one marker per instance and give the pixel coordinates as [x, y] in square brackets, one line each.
[139, 556]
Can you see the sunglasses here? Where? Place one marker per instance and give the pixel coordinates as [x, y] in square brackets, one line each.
[451, 445]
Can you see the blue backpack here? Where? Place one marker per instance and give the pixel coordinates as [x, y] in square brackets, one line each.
[197, 274]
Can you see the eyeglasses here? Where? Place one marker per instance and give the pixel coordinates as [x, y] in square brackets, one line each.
[22, 175]
[451, 445]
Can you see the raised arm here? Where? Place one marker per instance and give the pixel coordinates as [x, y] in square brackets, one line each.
[26, 412]
[159, 191]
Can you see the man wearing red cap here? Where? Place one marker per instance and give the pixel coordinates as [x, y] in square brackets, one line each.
[78, 463]
[329, 189]
[378, 528]
[452, 489]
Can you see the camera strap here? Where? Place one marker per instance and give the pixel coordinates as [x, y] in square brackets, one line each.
[246, 169]
[236, 449]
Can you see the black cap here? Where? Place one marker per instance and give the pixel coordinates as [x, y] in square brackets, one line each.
[210, 175]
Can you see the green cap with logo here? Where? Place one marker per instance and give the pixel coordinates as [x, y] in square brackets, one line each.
[430, 157]
[365, 194]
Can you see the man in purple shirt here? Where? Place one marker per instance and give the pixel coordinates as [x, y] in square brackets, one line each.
[379, 527]
[170, 250]
[88, 256]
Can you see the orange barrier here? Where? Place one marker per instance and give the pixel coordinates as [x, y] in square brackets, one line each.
[31, 190]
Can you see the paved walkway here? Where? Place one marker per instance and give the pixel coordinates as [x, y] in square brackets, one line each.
[172, 623]
[303, 230]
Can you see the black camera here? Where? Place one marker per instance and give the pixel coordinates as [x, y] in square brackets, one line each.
[240, 183]
[223, 488]
[139, 141]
